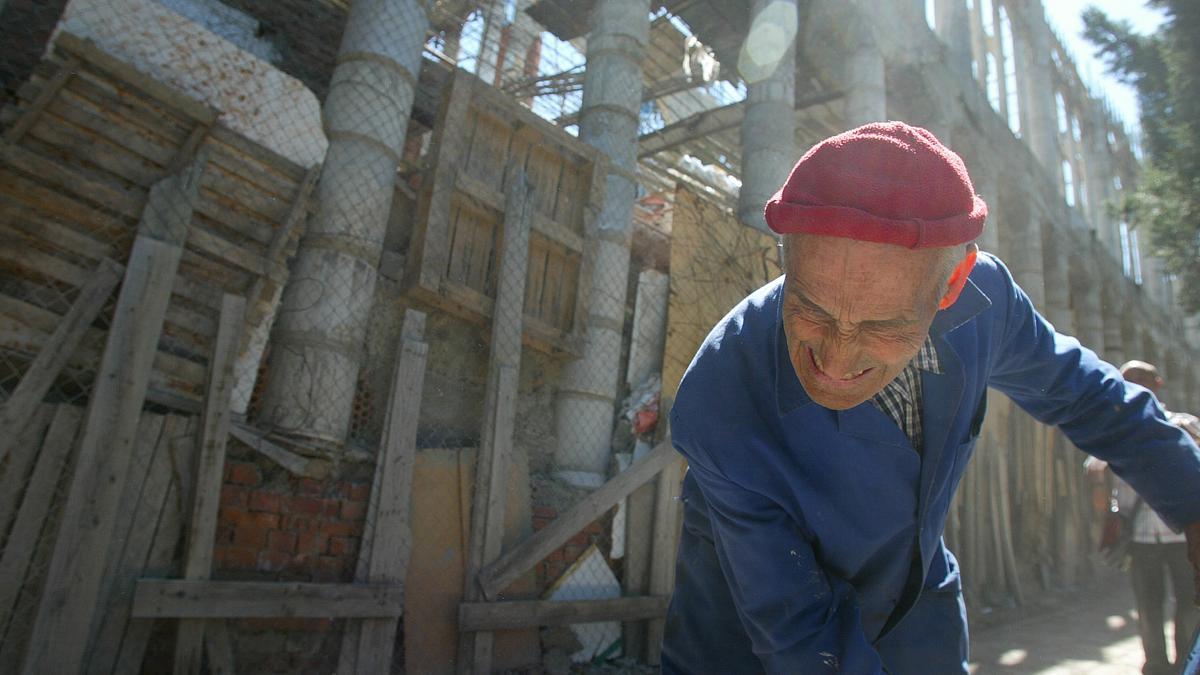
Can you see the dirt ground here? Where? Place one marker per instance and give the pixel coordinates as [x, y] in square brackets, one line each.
[1093, 631]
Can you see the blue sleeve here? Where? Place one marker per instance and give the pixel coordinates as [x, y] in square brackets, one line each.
[1060, 382]
[799, 618]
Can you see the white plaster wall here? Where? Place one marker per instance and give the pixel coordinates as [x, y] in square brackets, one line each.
[254, 98]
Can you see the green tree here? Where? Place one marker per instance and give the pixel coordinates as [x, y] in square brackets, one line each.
[1164, 69]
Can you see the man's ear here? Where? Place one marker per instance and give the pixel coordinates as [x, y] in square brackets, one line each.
[958, 278]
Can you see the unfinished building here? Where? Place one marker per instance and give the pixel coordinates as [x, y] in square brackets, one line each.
[336, 333]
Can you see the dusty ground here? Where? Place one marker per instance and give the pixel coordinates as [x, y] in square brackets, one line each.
[1092, 632]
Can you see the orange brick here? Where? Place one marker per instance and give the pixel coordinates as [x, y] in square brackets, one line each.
[548, 512]
[243, 473]
[264, 500]
[234, 495]
[250, 536]
[239, 517]
[331, 507]
[311, 542]
[273, 561]
[237, 558]
[308, 506]
[352, 510]
[280, 540]
[310, 487]
[342, 529]
[343, 546]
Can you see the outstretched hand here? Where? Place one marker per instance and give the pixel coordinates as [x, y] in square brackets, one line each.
[1193, 544]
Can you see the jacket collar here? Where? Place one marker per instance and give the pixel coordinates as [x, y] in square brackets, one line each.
[790, 394]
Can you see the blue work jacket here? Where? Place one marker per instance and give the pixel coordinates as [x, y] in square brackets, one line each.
[812, 538]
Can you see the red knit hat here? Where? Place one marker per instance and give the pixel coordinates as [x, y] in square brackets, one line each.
[886, 182]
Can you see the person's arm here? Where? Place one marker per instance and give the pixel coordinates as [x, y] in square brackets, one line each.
[799, 618]
[1058, 381]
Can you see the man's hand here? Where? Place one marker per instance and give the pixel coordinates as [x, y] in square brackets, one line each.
[1193, 543]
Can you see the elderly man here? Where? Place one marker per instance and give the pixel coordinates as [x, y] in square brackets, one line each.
[828, 419]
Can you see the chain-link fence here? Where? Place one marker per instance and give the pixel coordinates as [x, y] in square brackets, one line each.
[335, 193]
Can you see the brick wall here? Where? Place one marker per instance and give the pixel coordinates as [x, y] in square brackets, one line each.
[553, 566]
[25, 27]
[273, 526]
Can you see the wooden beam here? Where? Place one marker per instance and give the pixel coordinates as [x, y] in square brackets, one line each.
[25, 122]
[203, 599]
[500, 574]
[500, 408]
[214, 434]
[667, 521]
[297, 465]
[390, 542]
[39, 496]
[59, 637]
[490, 616]
[55, 352]
[715, 120]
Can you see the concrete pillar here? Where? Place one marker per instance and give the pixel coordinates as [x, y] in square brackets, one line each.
[1031, 38]
[1100, 177]
[1111, 308]
[1020, 236]
[1057, 305]
[954, 28]
[768, 65]
[612, 97]
[866, 86]
[1086, 297]
[319, 334]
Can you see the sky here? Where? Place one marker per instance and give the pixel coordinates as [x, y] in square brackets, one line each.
[1064, 16]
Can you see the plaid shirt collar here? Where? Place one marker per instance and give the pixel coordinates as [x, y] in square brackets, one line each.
[901, 401]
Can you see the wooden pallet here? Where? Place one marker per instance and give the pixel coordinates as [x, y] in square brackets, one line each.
[85, 142]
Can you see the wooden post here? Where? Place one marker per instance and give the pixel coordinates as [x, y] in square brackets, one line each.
[667, 520]
[37, 380]
[60, 632]
[383, 559]
[214, 433]
[500, 409]
[636, 582]
[39, 495]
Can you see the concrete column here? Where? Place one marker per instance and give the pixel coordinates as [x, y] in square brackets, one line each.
[319, 333]
[1031, 38]
[612, 97]
[1057, 304]
[768, 65]
[866, 86]
[1111, 308]
[954, 28]
[1020, 236]
[1086, 297]
[1100, 177]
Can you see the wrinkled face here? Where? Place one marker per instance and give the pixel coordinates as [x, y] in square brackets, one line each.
[855, 313]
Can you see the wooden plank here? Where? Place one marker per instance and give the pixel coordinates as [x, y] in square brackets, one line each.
[497, 576]
[141, 504]
[15, 474]
[60, 632]
[259, 153]
[53, 136]
[204, 599]
[187, 151]
[490, 616]
[668, 518]
[47, 94]
[179, 461]
[49, 362]
[246, 195]
[86, 186]
[98, 60]
[20, 189]
[262, 172]
[29, 227]
[500, 407]
[219, 648]
[297, 465]
[39, 493]
[107, 119]
[391, 541]
[214, 434]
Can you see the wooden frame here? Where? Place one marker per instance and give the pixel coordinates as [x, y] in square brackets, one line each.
[453, 259]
